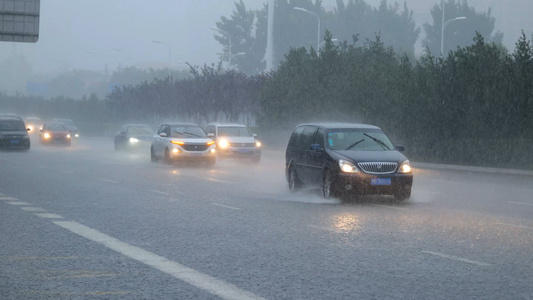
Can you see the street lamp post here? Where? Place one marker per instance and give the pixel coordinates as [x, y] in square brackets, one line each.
[318, 19]
[229, 43]
[169, 51]
[443, 26]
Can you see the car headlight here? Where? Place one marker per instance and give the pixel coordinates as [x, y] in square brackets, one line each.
[30, 127]
[347, 167]
[134, 140]
[68, 136]
[257, 143]
[46, 135]
[405, 167]
[223, 144]
[77, 135]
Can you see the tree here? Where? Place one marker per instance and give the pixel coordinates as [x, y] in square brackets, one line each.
[458, 33]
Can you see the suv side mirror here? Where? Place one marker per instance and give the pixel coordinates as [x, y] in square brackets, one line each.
[400, 148]
[254, 135]
[211, 135]
[162, 134]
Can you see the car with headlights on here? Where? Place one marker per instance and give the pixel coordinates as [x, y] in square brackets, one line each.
[234, 140]
[34, 124]
[347, 159]
[55, 133]
[182, 142]
[13, 133]
[134, 137]
[74, 132]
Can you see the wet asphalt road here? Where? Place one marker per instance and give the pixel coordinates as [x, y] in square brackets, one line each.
[86, 222]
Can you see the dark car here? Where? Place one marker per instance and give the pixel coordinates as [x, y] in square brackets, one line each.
[347, 159]
[74, 132]
[13, 133]
[55, 132]
[134, 136]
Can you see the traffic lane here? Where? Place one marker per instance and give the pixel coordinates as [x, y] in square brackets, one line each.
[39, 260]
[291, 215]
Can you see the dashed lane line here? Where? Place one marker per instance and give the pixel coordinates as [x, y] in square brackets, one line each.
[108, 180]
[33, 209]
[225, 206]
[521, 203]
[473, 262]
[5, 198]
[49, 216]
[159, 192]
[202, 281]
[516, 226]
[19, 203]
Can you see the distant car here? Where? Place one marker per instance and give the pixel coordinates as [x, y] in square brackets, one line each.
[134, 136]
[234, 140]
[75, 133]
[34, 125]
[346, 158]
[55, 132]
[13, 133]
[180, 142]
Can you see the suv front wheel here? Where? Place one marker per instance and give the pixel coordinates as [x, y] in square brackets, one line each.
[328, 187]
[294, 182]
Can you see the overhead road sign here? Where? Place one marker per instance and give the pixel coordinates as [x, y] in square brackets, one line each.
[19, 20]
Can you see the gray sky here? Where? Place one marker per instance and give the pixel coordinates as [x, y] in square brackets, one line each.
[88, 34]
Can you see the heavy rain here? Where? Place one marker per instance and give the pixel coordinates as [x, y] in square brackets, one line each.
[266, 149]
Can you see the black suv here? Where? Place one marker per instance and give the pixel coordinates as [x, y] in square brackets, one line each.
[346, 158]
[13, 133]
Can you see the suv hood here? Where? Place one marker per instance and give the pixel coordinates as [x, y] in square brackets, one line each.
[371, 156]
[201, 140]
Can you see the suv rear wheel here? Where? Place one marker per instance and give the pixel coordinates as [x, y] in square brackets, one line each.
[328, 187]
[294, 182]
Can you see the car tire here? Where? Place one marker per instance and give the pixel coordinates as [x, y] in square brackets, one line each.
[168, 160]
[402, 195]
[328, 186]
[294, 181]
[153, 158]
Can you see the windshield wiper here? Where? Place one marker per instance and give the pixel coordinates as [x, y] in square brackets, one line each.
[192, 134]
[378, 141]
[354, 144]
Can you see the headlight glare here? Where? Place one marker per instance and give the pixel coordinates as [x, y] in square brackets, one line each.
[46, 135]
[258, 144]
[405, 167]
[347, 167]
[134, 140]
[223, 144]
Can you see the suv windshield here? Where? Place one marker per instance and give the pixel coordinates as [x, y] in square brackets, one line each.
[140, 130]
[186, 131]
[234, 131]
[55, 127]
[358, 140]
[11, 125]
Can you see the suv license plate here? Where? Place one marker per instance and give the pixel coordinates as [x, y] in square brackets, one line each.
[380, 181]
[14, 141]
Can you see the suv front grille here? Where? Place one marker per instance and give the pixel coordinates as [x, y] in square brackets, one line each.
[378, 167]
[195, 147]
[248, 145]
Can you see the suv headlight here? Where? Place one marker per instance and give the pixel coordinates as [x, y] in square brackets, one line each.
[405, 167]
[347, 167]
[223, 144]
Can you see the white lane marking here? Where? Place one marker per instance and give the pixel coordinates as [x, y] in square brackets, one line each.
[159, 192]
[49, 216]
[108, 180]
[322, 228]
[32, 208]
[517, 226]
[18, 203]
[393, 207]
[226, 206]
[218, 180]
[521, 203]
[479, 263]
[8, 198]
[202, 281]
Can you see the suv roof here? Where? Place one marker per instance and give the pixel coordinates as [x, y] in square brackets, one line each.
[328, 125]
[227, 124]
[10, 117]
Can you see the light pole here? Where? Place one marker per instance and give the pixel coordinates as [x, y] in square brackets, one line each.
[318, 19]
[443, 26]
[169, 51]
[229, 43]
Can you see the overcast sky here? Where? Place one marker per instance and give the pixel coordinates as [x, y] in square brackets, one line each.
[90, 34]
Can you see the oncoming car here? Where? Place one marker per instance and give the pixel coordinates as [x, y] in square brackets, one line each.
[347, 158]
[75, 133]
[13, 133]
[181, 142]
[133, 137]
[34, 125]
[234, 140]
[55, 132]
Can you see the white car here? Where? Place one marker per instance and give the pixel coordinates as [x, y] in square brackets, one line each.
[180, 142]
[234, 140]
